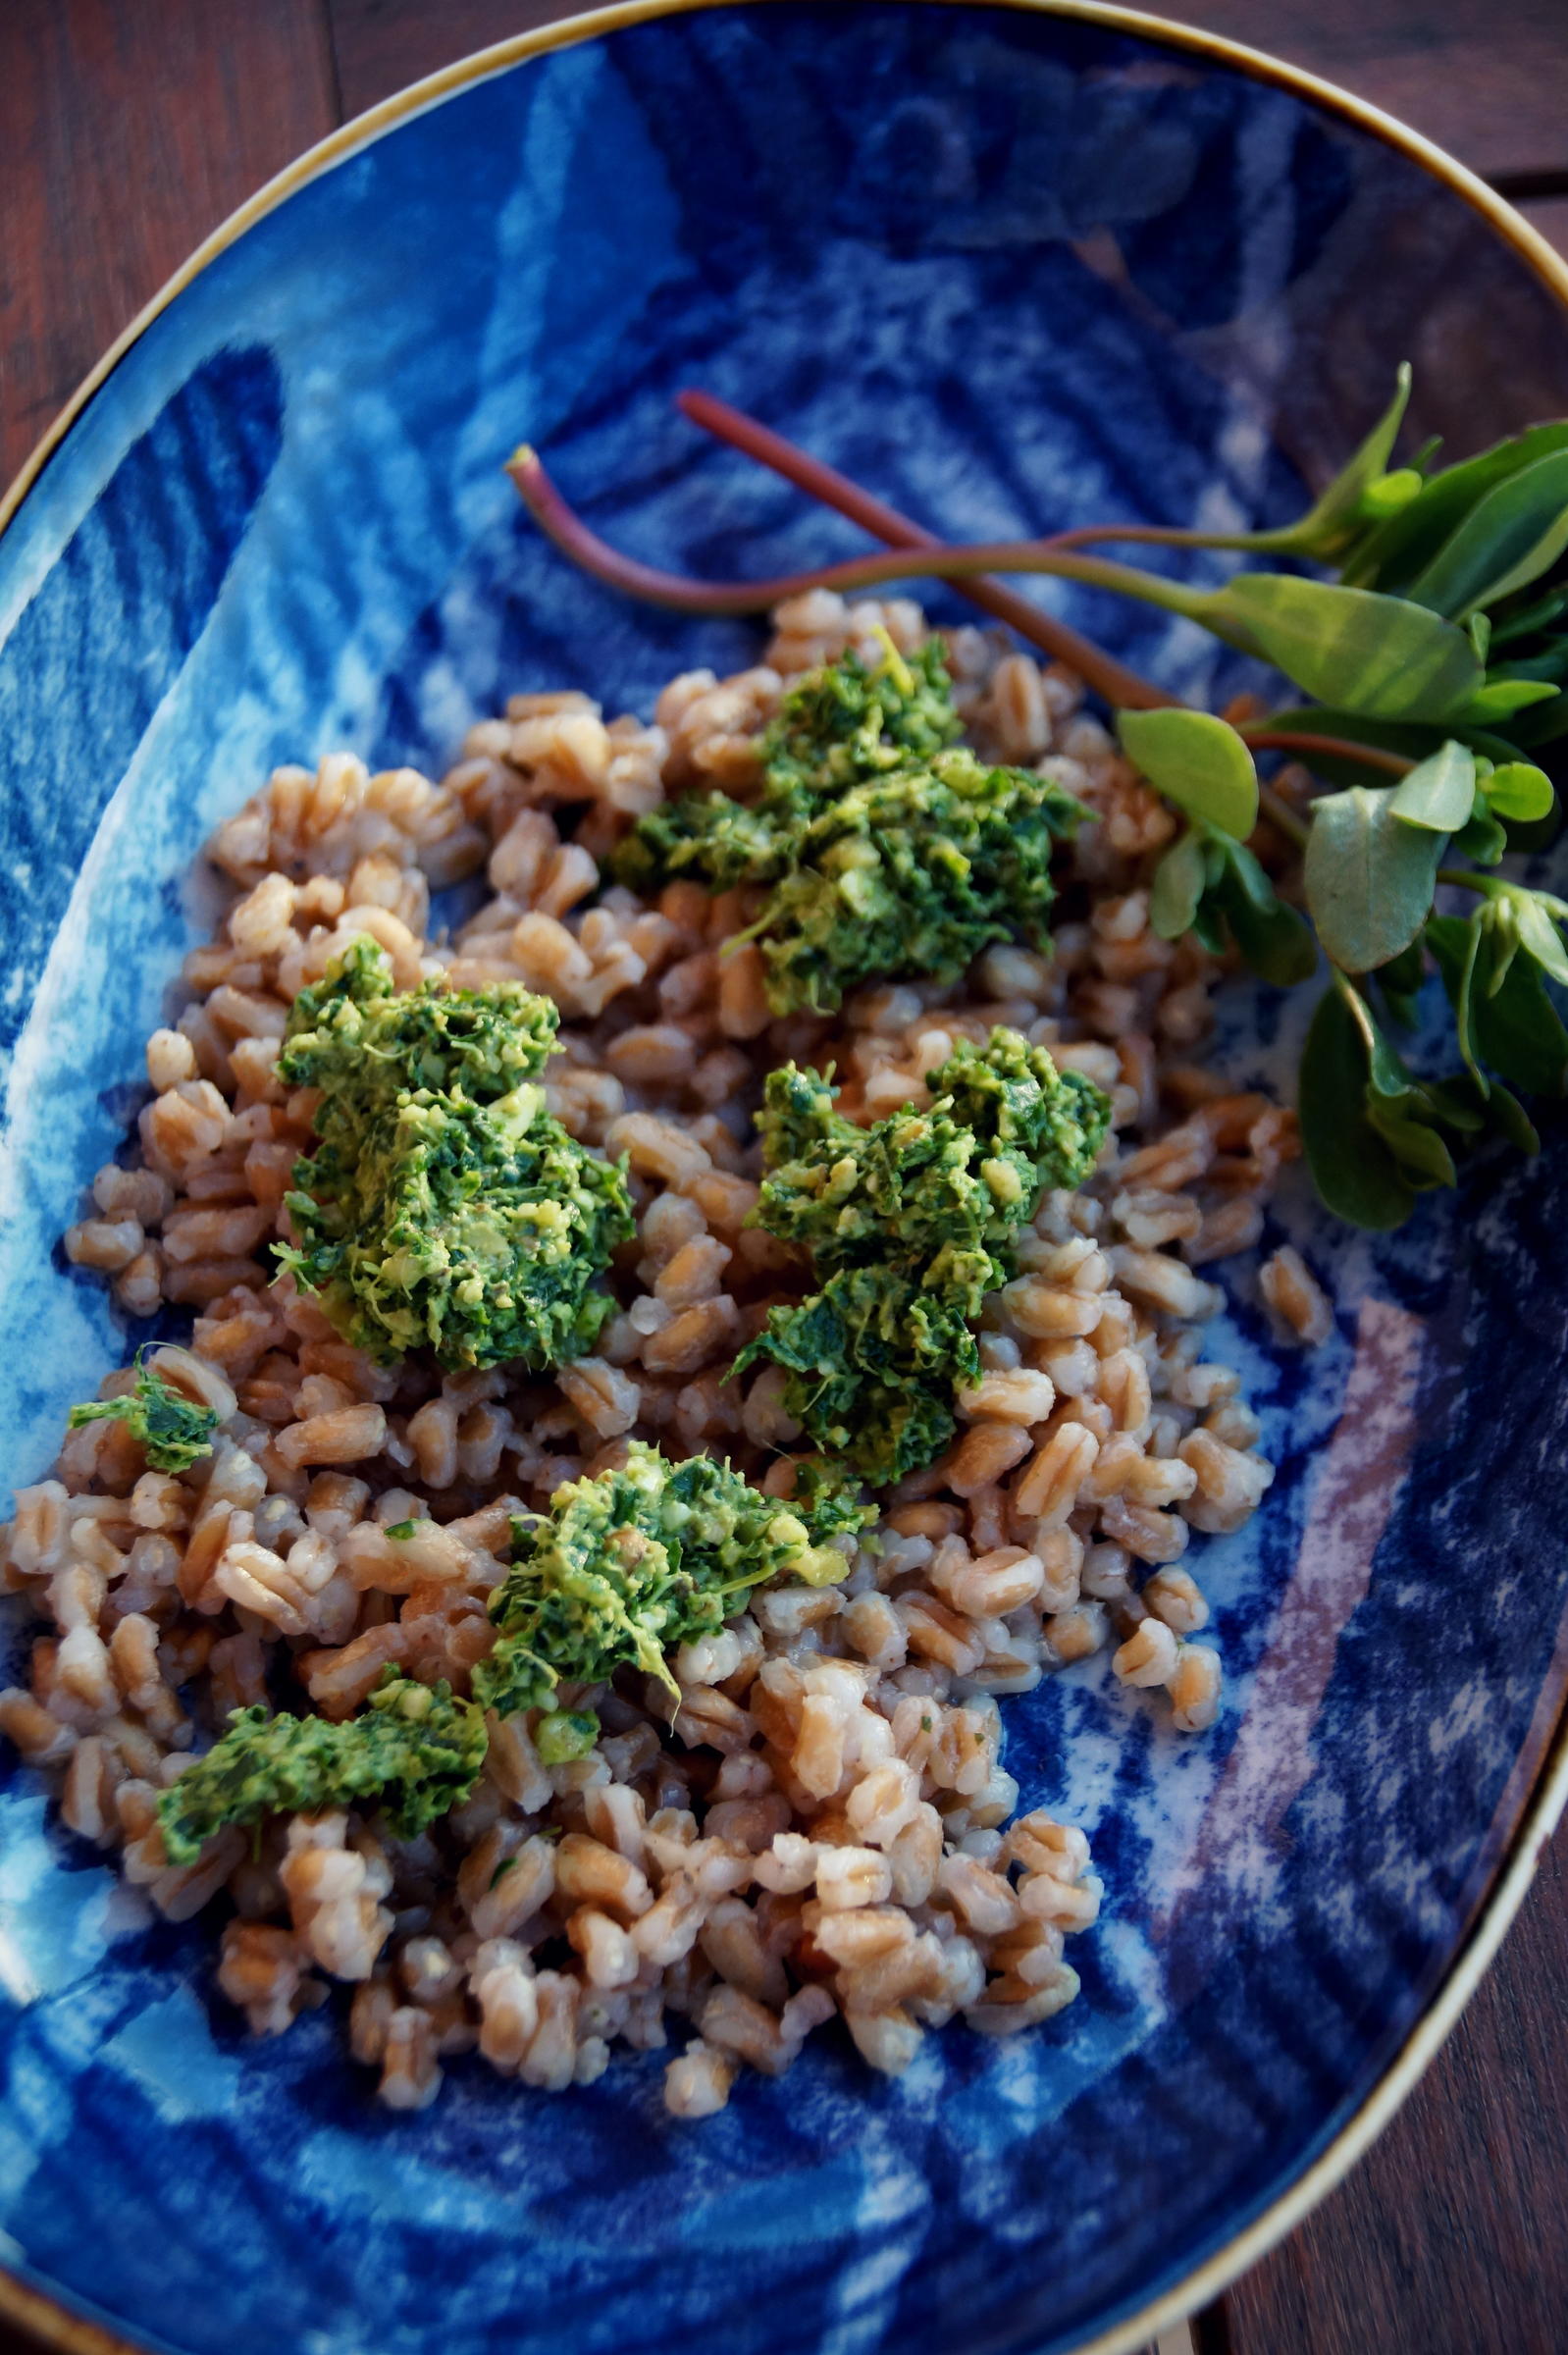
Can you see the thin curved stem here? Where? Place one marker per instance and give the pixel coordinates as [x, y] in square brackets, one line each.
[682, 593]
[1306, 742]
[1170, 535]
[1279, 815]
[1122, 688]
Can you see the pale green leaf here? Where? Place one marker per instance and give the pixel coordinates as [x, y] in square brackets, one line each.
[1369, 878]
[1379, 656]
[1439, 792]
[1197, 762]
[1539, 934]
[1520, 791]
[1500, 698]
[1177, 888]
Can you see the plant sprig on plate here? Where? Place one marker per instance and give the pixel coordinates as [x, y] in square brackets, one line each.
[1434, 666]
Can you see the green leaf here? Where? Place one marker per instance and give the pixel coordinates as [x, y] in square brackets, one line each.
[1526, 621]
[1401, 549]
[1512, 1121]
[1424, 1159]
[1520, 791]
[1369, 879]
[1357, 492]
[1274, 939]
[1544, 723]
[1508, 538]
[1177, 887]
[1518, 1031]
[1379, 656]
[1354, 1169]
[1197, 762]
[1538, 936]
[1404, 973]
[1385, 497]
[1439, 791]
[1500, 698]
[1456, 1104]
[1482, 837]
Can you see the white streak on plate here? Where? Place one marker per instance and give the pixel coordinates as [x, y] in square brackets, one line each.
[1358, 1482]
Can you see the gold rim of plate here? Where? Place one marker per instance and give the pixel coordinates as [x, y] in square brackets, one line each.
[1538, 1818]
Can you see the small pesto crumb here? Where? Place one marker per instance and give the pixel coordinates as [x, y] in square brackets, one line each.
[909, 1225]
[638, 1559]
[172, 1430]
[564, 1735]
[884, 849]
[414, 1746]
[444, 1206]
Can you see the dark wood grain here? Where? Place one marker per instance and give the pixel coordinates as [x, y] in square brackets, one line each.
[1486, 79]
[1549, 215]
[128, 129]
[383, 45]
[1450, 2238]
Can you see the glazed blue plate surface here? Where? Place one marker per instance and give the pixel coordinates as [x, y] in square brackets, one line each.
[1014, 271]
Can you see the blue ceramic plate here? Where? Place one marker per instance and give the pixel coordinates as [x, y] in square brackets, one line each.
[1008, 266]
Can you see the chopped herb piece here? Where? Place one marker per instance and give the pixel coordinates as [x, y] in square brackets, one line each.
[444, 1206]
[565, 1733]
[413, 1745]
[174, 1430]
[633, 1561]
[400, 1528]
[909, 1225]
[886, 852]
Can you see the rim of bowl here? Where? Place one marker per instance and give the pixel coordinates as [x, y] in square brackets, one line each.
[1539, 1804]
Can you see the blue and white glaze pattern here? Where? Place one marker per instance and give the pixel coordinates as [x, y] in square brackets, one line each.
[1007, 268]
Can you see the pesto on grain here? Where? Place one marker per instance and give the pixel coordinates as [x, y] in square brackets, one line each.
[884, 849]
[909, 1225]
[444, 1206]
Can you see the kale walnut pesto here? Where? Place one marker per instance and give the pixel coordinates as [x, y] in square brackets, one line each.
[909, 1225]
[174, 1430]
[884, 849]
[414, 1746]
[636, 1560]
[444, 1207]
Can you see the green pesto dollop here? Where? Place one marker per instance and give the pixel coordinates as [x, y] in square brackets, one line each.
[909, 1225]
[414, 1746]
[886, 849]
[635, 1560]
[172, 1430]
[444, 1206]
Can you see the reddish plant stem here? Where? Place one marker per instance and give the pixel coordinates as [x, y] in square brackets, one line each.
[567, 530]
[1122, 688]
[1303, 742]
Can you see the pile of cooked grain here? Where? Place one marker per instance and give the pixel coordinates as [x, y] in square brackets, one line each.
[829, 1826]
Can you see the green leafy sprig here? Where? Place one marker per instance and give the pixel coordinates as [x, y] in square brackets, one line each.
[1434, 666]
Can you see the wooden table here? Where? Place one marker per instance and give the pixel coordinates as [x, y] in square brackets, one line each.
[127, 129]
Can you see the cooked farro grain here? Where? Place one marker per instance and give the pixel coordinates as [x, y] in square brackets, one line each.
[825, 1826]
